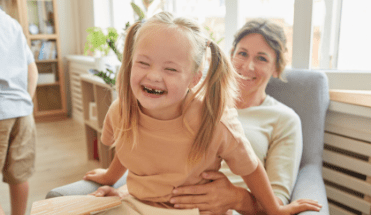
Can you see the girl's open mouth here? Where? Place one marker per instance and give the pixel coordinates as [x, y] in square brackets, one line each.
[153, 91]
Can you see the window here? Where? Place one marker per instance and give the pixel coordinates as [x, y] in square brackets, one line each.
[354, 38]
[319, 13]
[329, 34]
[123, 12]
[209, 13]
[340, 37]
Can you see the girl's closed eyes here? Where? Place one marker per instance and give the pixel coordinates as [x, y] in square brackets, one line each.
[142, 63]
[171, 69]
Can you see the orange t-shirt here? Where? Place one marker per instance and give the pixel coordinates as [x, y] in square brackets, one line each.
[158, 163]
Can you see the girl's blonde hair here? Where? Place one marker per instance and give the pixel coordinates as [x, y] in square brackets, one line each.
[218, 90]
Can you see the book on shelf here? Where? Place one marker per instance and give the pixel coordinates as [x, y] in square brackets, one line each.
[35, 48]
[48, 51]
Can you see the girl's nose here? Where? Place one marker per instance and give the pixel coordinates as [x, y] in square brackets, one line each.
[154, 75]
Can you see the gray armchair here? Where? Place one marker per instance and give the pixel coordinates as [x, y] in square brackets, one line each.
[306, 91]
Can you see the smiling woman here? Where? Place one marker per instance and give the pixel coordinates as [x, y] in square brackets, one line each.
[255, 60]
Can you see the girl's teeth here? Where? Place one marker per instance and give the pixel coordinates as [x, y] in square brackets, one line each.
[153, 91]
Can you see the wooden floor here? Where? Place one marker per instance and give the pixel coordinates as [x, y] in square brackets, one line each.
[61, 158]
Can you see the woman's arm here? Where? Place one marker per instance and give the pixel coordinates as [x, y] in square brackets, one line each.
[215, 197]
[284, 155]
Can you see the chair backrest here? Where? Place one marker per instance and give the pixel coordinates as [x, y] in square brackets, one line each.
[307, 93]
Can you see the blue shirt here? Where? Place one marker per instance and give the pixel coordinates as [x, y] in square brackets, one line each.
[15, 56]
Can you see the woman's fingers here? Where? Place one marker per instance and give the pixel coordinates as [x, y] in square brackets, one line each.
[190, 190]
[189, 200]
[201, 189]
[201, 207]
[213, 175]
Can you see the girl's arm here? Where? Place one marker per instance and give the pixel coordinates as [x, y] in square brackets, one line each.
[260, 187]
[107, 176]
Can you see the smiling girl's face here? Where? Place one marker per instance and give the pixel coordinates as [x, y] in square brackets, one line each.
[254, 59]
[161, 72]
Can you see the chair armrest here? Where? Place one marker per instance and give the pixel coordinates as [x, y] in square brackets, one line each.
[310, 185]
[81, 188]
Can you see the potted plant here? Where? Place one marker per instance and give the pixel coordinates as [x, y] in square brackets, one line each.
[99, 44]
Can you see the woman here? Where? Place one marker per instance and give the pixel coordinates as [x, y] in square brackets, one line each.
[273, 129]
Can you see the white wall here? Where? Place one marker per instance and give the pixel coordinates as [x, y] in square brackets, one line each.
[74, 17]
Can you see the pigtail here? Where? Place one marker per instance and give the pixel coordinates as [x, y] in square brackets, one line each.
[128, 105]
[219, 91]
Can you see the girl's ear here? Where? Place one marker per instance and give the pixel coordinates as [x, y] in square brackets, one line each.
[196, 78]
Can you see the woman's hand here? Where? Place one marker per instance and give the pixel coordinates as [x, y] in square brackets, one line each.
[215, 197]
[300, 205]
[99, 176]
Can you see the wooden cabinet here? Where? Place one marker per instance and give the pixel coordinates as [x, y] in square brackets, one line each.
[96, 100]
[39, 20]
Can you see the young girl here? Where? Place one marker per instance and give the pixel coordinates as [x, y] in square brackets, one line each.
[166, 128]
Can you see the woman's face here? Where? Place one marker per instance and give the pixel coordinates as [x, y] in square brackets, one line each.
[254, 59]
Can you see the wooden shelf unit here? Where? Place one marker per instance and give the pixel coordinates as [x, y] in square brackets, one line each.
[94, 90]
[50, 98]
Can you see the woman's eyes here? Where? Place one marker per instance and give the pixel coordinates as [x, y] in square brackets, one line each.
[243, 54]
[261, 58]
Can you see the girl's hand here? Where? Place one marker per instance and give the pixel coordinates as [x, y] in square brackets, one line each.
[215, 197]
[110, 191]
[300, 205]
[99, 176]
[105, 191]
